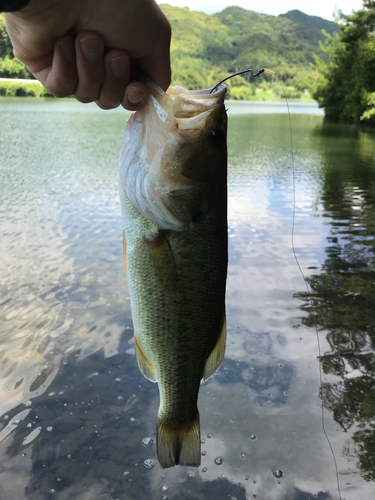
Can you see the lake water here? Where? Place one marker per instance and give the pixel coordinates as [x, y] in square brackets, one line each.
[74, 407]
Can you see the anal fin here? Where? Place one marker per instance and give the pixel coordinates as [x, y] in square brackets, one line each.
[216, 356]
[145, 366]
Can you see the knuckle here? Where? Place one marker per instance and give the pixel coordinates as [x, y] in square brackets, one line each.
[60, 92]
[84, 99]
[106, 105]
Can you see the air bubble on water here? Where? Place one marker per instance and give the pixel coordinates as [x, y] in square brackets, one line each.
[132, 419]
[243, 455]
[219, 461]
[247, 478]
[277, 473]
[28, 403]
[204, 453]
[209, 435]
[253, 436]
[149, 463]
[16, 422]
[203, 440]
[58, 479]
[117, 379]
[6, 417]
[52, 491]
[147, 441]
[61, 392]
[120, 398]
[69, 456]
[164, 487]
[254, 481]
[51, 393]
[204, 469]
[190, 474]
[23, 454]
[49, 428]
[126, 473]
[233, 498]
[164, 497]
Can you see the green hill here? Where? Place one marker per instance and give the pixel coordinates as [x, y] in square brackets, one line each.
[265, 40]
[314, 22]
[205, 47]
[237, 37]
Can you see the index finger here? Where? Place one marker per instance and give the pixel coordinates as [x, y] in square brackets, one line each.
[157, 64]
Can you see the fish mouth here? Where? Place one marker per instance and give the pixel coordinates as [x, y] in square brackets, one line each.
[178, 103]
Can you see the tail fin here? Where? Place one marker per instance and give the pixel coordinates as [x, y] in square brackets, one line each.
[179, 447]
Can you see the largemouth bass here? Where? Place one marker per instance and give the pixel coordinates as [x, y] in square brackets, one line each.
[173, 190]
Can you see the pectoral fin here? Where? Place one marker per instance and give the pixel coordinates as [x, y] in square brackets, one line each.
[216, 356]
[165, 265]
[145, 366]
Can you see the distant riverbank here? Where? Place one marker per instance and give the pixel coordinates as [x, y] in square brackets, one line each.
[33, 88]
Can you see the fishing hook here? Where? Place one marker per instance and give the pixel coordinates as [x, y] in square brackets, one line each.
[236, 74]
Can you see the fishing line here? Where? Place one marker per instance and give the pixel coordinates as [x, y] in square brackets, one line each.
[309, 294]
[236, 74]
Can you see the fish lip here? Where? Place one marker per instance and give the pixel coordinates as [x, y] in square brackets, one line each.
[176, 91]
[201, 93]
[177, 102]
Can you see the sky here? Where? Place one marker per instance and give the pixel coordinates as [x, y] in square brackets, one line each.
[322, 8]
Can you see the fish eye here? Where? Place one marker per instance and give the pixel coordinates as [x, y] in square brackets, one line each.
[217, 137]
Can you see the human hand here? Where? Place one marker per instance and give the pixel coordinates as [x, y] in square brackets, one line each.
[86, 48]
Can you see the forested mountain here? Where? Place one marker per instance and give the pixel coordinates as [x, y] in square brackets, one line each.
[237, 37]
[206, 48]
[314, 22]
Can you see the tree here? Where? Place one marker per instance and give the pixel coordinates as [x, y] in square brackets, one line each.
[346, 88]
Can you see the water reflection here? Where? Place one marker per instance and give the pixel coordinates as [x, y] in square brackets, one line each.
[343, 299]
[75, 438]
[69, 382]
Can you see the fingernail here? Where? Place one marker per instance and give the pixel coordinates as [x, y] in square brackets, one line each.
[136, 97]
[119, 66]
[92, 47]
[67, 49]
